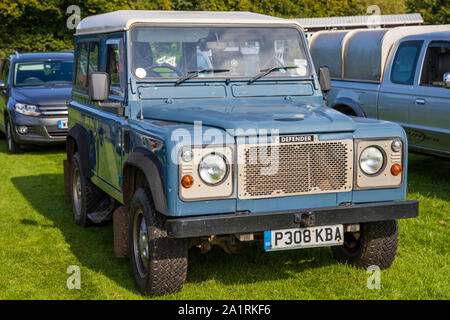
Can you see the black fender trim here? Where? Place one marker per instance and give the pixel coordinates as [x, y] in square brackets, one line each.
[80, 135]
[343, 101]
[149, 164]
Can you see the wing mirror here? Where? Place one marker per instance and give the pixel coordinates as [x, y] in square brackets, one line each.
[325, 82]
[98, 91]
[446, 80]
[98, 86]
[325, 79]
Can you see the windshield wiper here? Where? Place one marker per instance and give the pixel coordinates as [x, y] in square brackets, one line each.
[194, 73]
[265, 72]
[57, 84]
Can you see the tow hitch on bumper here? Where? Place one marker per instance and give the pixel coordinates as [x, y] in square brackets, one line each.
[197, 226]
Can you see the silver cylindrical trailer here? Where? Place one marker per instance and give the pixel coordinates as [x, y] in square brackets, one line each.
[360, 54]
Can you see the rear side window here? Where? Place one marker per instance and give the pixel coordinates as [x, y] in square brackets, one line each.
[87, 61]
[405, 61]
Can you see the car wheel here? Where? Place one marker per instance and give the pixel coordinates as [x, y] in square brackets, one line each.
[12, 146]
[86, 197]
[376, 244]
[158, 262]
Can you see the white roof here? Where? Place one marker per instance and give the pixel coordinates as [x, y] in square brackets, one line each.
[123, 19]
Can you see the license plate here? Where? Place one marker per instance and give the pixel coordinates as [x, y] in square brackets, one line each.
[62, 124]
[304, 237]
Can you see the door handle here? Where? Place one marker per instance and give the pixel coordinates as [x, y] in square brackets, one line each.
[420, 101]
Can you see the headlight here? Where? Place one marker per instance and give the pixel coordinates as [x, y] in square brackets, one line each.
[213, 168]
[371, 160]
[27, 109]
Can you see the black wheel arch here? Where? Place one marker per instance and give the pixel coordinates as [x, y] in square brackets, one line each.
[145, 162]
[348, 107]
[78, 141]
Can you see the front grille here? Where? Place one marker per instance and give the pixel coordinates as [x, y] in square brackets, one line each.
[53, 111]
[301, 168]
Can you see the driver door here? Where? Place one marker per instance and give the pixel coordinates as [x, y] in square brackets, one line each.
[430, 111]
[110, 133]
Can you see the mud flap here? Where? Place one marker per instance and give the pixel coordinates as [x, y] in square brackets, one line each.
[120, 226]
[67, 181]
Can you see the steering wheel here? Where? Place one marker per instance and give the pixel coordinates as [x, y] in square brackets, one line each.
[149, 69]
[33, 80]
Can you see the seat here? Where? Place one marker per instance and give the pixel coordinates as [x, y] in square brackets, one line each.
[444, 64]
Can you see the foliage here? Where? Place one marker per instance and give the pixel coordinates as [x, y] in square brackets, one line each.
[40, 25]
[432, 11]
[386, 6]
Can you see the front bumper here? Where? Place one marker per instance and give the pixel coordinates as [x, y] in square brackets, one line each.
[198, 226]
[41, 130]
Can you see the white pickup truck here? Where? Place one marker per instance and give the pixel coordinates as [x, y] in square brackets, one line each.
[400, 74]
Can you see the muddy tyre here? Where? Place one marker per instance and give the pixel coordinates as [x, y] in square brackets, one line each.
[159, 263]
[376, 244]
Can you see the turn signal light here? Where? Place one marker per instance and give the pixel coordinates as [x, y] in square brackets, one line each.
[187, 181]
[396, 169]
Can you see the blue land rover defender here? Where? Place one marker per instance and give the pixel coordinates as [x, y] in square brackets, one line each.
[194, 129]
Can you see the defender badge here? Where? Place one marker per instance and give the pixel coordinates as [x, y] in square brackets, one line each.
[297, 138]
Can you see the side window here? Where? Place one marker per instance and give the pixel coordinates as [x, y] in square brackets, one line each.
[435, 64]
[93, 57]
[81, 61]
[5, 72]
[405, 61]
[115, 68]
[87, 61]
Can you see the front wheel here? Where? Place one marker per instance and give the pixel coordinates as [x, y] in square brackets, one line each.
[12, 145]
[159, 263]
[375, 244]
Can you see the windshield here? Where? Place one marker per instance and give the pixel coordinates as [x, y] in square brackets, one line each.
[242, 52]
[43, 73]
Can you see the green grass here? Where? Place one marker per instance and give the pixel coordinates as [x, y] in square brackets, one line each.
[38, 241]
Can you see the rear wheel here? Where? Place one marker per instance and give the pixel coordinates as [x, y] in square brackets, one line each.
[159, 263]
[376, 244]
[85, 196]
[11, 144]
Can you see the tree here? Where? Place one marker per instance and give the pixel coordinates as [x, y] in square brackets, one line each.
[432, 11]
[386, 6]
[40, 25]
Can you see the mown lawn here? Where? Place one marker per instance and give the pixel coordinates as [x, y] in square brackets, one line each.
[38, 241]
